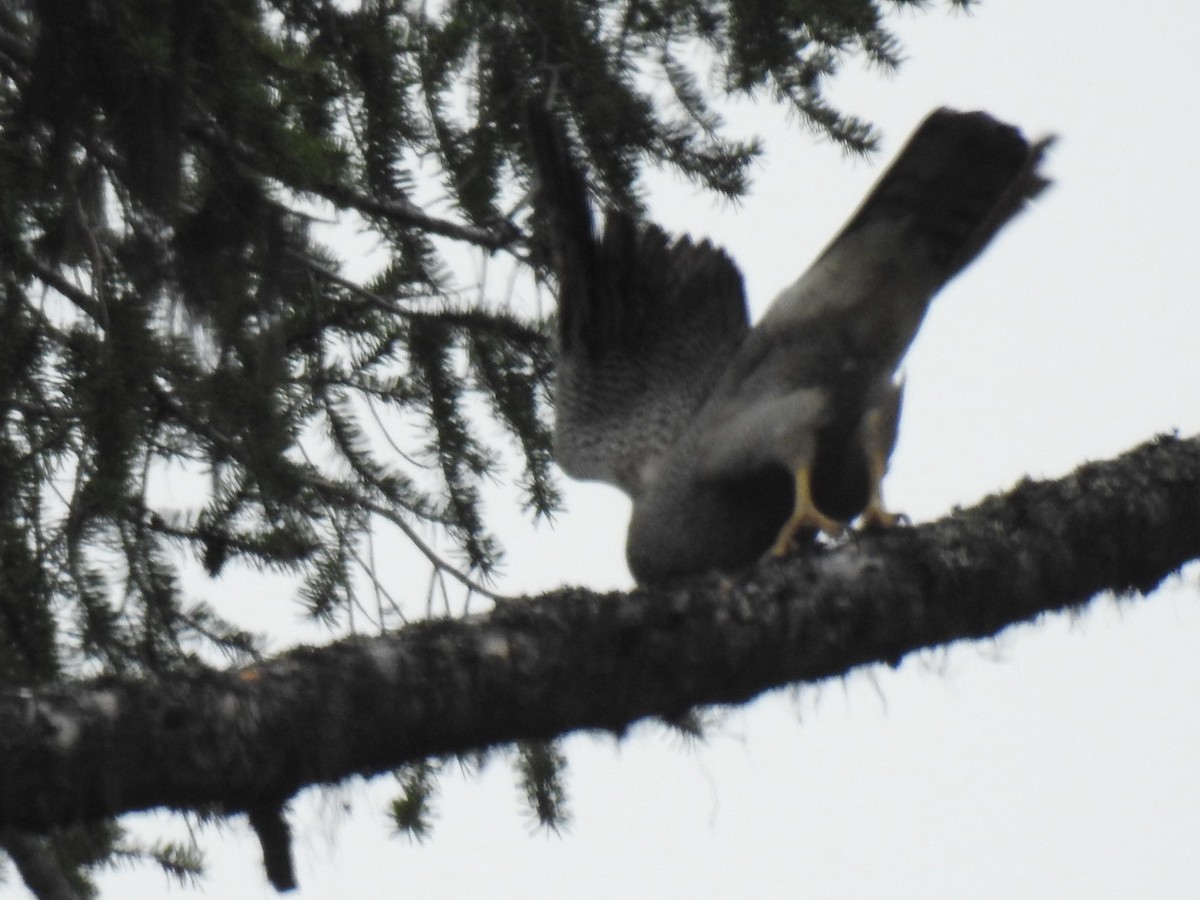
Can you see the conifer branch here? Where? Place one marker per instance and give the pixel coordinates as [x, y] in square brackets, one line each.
[85, 301]
[468, 318]
[399, 211]
[405, 213]
[533, 669]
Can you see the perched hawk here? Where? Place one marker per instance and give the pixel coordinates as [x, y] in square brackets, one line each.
[735, 441]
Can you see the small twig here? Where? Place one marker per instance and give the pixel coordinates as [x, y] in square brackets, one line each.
[40, 869]
[463, 315]
[432, 555]
[52, 279]
[409, 213]
[275, 838]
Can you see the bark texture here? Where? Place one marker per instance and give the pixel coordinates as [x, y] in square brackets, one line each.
[247, 740]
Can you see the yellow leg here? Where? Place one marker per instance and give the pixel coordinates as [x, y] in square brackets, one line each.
[804, 515]
[876, 514]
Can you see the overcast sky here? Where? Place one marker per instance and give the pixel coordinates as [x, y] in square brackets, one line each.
[1062, 760]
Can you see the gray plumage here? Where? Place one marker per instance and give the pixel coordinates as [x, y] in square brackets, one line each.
[733, 441]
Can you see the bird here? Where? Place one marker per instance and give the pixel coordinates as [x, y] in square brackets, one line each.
[736, 443]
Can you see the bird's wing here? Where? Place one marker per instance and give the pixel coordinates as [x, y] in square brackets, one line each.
[646, 324]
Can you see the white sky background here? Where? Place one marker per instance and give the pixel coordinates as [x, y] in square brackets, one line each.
[1062, 760]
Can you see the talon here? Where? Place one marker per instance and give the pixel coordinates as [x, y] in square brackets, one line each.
[805, 516]
[876, 518]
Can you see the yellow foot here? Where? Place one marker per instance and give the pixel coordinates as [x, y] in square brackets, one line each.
[805, 517]
[876, 518]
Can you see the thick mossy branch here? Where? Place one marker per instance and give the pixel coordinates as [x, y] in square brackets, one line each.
[537, 668]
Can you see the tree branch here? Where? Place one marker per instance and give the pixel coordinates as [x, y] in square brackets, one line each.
[400, 211]
[78, 296]
[536, 668]
[406, 213]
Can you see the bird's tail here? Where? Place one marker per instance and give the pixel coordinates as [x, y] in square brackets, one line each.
[961, 177]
